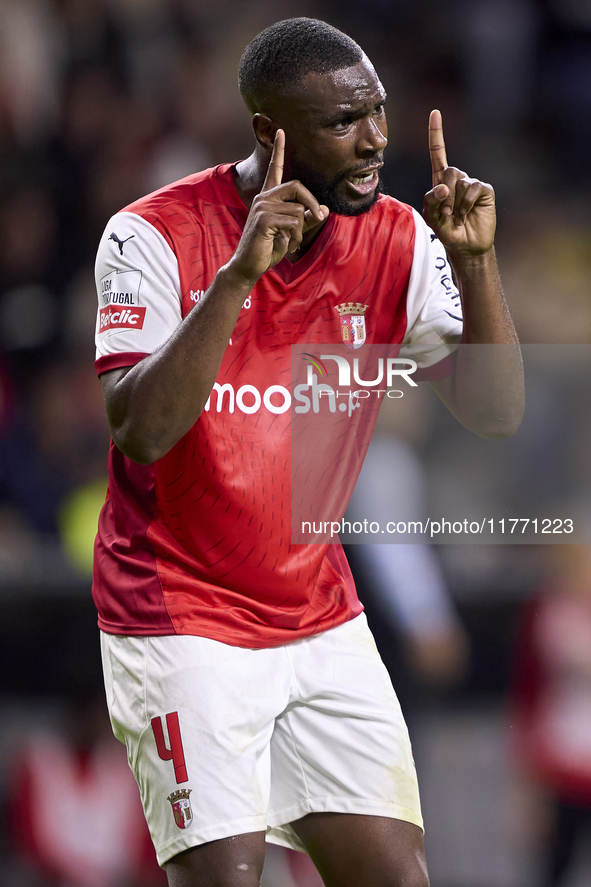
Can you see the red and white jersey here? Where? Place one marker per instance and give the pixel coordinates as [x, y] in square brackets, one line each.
[199, 541]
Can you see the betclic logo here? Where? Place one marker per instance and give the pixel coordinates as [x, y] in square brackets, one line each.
[115, 318]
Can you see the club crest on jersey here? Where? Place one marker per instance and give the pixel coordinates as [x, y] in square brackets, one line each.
[352, 316]
[181, 807]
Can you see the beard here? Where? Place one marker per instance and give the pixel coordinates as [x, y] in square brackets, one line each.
[326, 193]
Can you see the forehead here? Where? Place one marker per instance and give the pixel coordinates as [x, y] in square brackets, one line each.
[320, 95]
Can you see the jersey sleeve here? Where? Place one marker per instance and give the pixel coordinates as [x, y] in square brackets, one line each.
[139, 292]
[434, 309]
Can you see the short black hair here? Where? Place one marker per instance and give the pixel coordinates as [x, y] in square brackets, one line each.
[277, 59]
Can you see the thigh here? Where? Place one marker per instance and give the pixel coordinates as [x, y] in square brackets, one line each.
[197, 718]
[230, 862]
[343, 746]
[350, 850]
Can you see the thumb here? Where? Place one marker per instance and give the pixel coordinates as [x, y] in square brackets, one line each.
[438, 201]
[310, 221]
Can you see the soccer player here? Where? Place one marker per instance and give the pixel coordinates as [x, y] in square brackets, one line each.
[239, 668]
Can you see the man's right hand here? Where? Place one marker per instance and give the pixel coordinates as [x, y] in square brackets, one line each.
[278, 219]
[148, 409]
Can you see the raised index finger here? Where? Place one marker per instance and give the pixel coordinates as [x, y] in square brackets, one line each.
[437, 147]
[274, 175]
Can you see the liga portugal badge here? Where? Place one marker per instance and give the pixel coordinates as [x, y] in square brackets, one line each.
[352, 316]
[181, 807]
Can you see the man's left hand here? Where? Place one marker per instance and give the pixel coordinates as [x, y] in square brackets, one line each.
[460, 210]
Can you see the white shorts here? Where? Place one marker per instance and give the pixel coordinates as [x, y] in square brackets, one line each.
[225, 740]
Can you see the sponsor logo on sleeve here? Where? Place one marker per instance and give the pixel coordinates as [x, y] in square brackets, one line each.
[119, 297]
[121, 318]
[449, 287]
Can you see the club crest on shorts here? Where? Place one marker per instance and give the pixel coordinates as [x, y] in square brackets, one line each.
[352, 315]
[181, 807]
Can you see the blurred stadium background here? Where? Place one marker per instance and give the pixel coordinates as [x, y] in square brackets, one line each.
[104, 100]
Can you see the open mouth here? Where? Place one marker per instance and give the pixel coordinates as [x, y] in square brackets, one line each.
[363, 183]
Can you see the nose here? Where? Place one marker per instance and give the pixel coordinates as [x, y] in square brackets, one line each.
[373, 136]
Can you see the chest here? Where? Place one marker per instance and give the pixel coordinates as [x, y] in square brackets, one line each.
[349, 289]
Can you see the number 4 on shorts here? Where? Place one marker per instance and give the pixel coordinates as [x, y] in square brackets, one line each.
[175, 753]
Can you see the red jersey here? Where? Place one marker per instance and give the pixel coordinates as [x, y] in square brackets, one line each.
[199, 541]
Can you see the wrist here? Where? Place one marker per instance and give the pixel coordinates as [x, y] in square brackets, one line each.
[236, 278]
[464, 262]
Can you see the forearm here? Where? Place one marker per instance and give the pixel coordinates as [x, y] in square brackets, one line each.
[156, 402]
[487, 320]
[486, 390]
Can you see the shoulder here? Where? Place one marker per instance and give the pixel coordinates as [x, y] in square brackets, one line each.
[389, 210]
[393, 208]
[405, 226]
[192, 194]
[386, 215]
[188, 205]
[389, 227]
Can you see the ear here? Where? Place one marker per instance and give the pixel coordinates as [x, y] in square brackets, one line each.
[264, 131]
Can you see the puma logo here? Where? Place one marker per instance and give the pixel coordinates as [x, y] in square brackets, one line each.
[120, 243]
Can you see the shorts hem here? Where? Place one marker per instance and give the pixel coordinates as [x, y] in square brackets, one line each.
[280, 830]
[196, 837]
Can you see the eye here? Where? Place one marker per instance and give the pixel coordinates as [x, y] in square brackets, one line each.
[342, 124]
[379, 109]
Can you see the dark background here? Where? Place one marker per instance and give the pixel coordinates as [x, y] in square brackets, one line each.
[103, 101]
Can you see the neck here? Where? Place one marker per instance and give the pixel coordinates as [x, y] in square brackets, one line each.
[249, 176]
